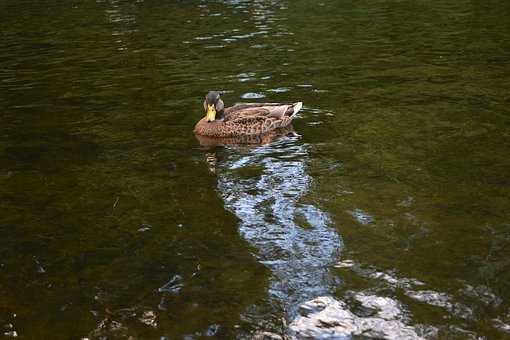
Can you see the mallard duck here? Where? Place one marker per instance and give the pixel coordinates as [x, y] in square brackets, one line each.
[245, 119]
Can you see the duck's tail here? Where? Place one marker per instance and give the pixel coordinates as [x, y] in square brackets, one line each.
[295, 109]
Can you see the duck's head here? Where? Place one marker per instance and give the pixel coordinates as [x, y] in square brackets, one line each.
[213, 106]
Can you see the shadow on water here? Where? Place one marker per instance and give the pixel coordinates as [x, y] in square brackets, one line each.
[264, 187]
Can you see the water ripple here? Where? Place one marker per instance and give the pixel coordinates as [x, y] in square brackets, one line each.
[292, 238]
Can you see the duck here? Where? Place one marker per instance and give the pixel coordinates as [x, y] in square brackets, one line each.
[245, 119]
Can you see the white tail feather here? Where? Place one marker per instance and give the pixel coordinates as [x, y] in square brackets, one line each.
[297, 107]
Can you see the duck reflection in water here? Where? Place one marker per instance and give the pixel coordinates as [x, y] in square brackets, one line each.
[263, 180]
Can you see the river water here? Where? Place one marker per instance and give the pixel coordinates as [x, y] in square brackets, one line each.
[388, 204]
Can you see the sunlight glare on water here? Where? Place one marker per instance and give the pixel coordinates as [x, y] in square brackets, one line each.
[292, 238]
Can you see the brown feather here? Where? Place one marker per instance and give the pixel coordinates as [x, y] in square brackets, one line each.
[264, 138]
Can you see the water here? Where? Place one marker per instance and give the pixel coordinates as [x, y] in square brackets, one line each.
[264, 189]
[116, 222]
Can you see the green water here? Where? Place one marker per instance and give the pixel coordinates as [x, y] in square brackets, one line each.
[115, 222]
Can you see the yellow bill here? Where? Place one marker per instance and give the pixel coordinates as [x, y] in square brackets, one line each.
[211, 113]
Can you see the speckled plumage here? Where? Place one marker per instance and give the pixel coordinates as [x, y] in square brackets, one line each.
[261, 139]
[248, 120]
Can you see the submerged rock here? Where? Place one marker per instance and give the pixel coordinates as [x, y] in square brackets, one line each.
[327, 318]
[148, 318]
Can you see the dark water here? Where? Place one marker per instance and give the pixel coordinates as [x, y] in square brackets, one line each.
[115, 222]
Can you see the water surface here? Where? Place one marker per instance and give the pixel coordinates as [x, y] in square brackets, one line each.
[116, 222]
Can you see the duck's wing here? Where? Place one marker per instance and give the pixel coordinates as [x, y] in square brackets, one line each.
[267, 110]
[258, 118]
